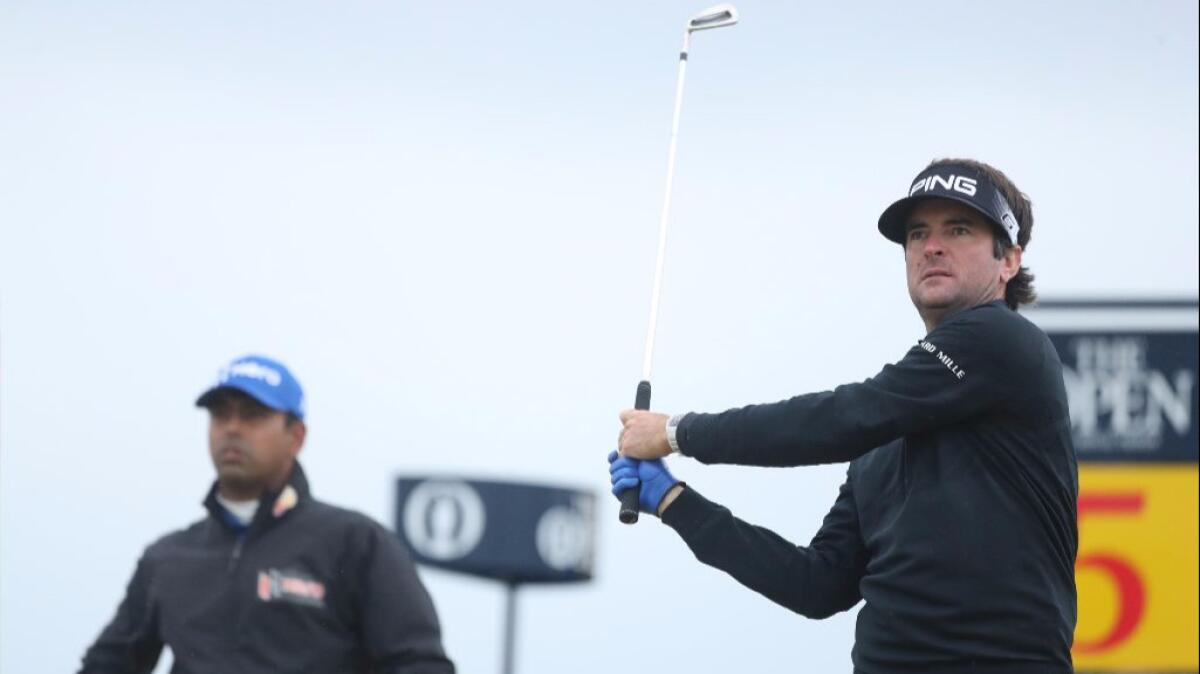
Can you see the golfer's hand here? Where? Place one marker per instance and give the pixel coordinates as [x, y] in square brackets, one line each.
[651, 478]
[643, 435]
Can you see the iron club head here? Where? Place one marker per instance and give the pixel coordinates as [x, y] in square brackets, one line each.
[717, 16]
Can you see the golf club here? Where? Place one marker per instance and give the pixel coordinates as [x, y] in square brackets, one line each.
[718, 16]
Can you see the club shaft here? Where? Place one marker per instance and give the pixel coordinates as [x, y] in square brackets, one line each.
[648, 360]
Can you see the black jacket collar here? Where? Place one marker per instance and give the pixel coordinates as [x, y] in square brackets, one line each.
[272, 506]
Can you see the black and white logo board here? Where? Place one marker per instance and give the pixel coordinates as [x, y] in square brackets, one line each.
[512, 532]
[1131, 374]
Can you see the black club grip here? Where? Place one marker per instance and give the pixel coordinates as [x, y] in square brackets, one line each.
[629, 497]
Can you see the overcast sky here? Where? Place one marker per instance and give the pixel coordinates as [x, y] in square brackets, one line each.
[443, 217]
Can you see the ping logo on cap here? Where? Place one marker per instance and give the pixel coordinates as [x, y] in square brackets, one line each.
[954, 182]
[251, 370]
[960, 182]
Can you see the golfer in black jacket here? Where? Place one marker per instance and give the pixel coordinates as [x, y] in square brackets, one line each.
[272, 580]
[956, 524]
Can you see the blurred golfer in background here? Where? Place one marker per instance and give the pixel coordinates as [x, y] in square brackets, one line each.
[271, 580]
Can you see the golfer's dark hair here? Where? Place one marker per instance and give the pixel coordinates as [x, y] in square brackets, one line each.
[1020, 287]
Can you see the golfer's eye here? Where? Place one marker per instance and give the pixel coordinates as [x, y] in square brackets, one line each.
[960, 230]
[916, 234]
[254, 412]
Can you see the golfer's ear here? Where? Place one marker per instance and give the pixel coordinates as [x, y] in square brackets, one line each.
[298, 432]
[1012, 264]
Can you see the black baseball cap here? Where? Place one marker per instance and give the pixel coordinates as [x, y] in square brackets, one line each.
[957, 182]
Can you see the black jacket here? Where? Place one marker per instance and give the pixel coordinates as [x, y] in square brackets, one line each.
[308, 587]
[956, 523]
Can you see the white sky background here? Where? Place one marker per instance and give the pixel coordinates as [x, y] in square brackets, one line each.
[443, 217]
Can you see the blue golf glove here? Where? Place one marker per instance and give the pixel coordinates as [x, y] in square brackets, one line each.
[652, 476]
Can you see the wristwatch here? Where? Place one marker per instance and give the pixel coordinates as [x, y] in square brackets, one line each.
[672, 427]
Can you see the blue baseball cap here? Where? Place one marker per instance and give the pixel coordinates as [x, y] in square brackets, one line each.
[267, 381]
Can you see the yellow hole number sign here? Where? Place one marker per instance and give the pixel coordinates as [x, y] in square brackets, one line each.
[1137, 568]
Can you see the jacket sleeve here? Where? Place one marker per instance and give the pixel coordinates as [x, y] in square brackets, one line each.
[962, 368]
[130, 644]
[400, 627]
[815, 581]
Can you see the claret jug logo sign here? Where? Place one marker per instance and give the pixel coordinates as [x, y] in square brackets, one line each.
[1130, 370]
[444, 520]
[509, 531]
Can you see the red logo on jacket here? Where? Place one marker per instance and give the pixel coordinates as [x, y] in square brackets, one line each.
[290, 586]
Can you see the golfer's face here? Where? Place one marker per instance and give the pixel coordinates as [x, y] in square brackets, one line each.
[948, 255]
[252, 446]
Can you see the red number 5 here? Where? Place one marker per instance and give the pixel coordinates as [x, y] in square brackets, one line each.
[1131, 591]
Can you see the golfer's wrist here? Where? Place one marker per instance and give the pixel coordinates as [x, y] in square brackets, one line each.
[669, 497]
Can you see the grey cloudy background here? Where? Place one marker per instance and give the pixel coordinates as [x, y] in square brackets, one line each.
[443, 216]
